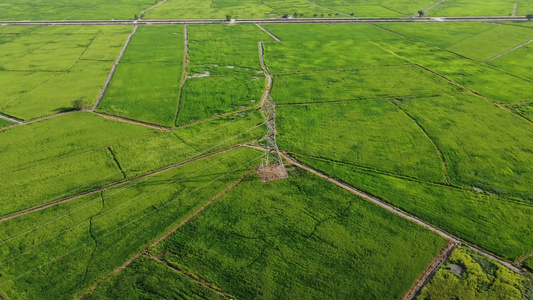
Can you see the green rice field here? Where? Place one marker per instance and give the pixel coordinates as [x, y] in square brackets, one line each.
[140, 163]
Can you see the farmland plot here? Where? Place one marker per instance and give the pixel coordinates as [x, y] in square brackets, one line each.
[498, 225]
[473, 8]
[187, 143]
[372, 134]
[485, 146]
[438, 34]
[146, 83]
[195, 9]
[75, 244]
[83, 82]
[328, 32]
[80, 166]
[331, 55]
[71, 10]
[52, 69]
[301, 237]
[483, 79]
[224, 71]
[492, 42]
[515, 61]
[56, 138]
[365, 83]
[56, 180]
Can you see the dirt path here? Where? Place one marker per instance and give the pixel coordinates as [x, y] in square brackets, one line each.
[184, 70]
[141, 15]
[271, 21]
[514, 9]
[432, 6]
[268, 32]
[327, 8]
[158, 241]
[431, 270]
[113, 68]
[126, 120]
[269, 80]
[519, 46]
[194, 278]
[113, 185]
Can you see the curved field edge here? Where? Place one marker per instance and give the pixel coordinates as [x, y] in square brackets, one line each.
[373, 134]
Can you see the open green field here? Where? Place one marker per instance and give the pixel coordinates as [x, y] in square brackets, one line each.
[71, 10]
[480, 279]
[93, 235]
[514, 61]
[473, 8]
[300, 237]
[56, 65]
[372, 134]
[224, 71]
[364, 83]
[61, 137]
[31, 181]
[146, 84]
[499, 225]
[438, 34]
[480, 78]
[484, 145]
[4, 123]
[147, 278]
[409, 113]
[219, 9]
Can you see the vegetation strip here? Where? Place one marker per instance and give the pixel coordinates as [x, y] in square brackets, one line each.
[190, 217]
[431, 270]
[113, 68]
[38, 208]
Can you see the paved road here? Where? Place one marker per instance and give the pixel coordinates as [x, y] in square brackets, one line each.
[274, 21]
